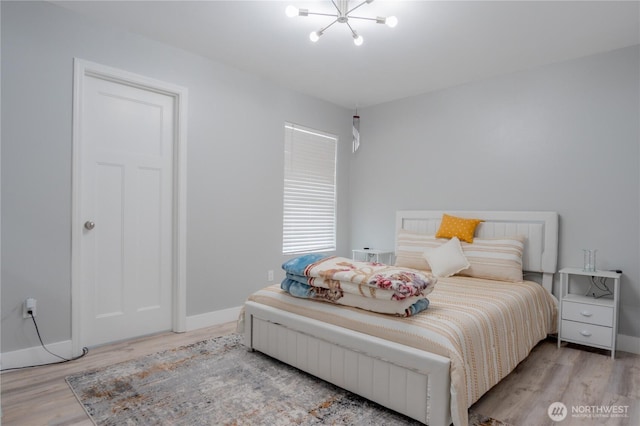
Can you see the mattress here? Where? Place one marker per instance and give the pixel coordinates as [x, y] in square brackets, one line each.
[484, 327]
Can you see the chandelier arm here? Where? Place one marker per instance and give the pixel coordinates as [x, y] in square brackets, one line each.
[322, 14]
[364, 2]
[321, 30]
[336, 6]
[359, 17]
[352, 30]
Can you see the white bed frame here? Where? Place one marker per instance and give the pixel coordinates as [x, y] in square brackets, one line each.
[407, 380]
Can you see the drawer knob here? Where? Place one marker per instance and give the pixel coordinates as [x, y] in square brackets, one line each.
[585, 333]
[586, 313]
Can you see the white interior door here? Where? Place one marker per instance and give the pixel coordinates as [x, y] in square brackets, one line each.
[126, 199]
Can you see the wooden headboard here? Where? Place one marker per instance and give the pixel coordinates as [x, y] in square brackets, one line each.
[540, 228]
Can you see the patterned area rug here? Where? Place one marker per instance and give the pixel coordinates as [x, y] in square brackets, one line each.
[219, 382]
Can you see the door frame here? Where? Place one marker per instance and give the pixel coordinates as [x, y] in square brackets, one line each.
[81, 69]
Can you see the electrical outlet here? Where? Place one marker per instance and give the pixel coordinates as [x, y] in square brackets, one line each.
[29, 305]
[270, 275]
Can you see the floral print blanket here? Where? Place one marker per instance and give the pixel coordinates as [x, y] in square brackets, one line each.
[356, 277]
[402, 308]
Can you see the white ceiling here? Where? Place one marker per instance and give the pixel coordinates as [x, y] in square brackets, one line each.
[436, 44]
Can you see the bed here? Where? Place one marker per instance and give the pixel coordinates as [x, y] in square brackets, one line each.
[388, 359]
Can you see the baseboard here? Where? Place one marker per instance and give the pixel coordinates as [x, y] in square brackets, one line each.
[36, 355]
[213, 318]
[628, 344]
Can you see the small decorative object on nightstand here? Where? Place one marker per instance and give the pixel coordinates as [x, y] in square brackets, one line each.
[373, 255]
[592, 318]
[589, 260]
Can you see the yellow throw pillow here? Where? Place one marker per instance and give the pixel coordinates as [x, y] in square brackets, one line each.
[462, 228]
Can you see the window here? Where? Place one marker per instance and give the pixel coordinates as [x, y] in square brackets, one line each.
[309, 219]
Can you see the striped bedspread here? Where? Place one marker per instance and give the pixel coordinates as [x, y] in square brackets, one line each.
[484, 327]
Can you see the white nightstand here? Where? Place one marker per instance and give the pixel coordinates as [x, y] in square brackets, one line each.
[373, 255]
[587, 320]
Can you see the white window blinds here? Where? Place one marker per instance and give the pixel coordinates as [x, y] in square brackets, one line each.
[309, 220]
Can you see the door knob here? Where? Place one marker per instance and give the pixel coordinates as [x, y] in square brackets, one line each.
[89, 225]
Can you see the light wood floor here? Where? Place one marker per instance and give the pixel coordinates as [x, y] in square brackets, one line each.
[40, 396]
[573, 375]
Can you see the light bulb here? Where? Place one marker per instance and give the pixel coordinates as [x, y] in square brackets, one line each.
[314, 36]
[357, 40]
[291, 11]
[391, 21]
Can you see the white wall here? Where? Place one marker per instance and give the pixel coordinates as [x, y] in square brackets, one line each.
[564, 137]
[235, 164]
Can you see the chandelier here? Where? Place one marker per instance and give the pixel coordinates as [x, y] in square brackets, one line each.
[342, 16]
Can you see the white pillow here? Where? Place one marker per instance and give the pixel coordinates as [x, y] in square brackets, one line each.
[448, 259]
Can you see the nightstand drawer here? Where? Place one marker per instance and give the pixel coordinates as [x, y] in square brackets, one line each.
[586, 333]
[591, 314]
